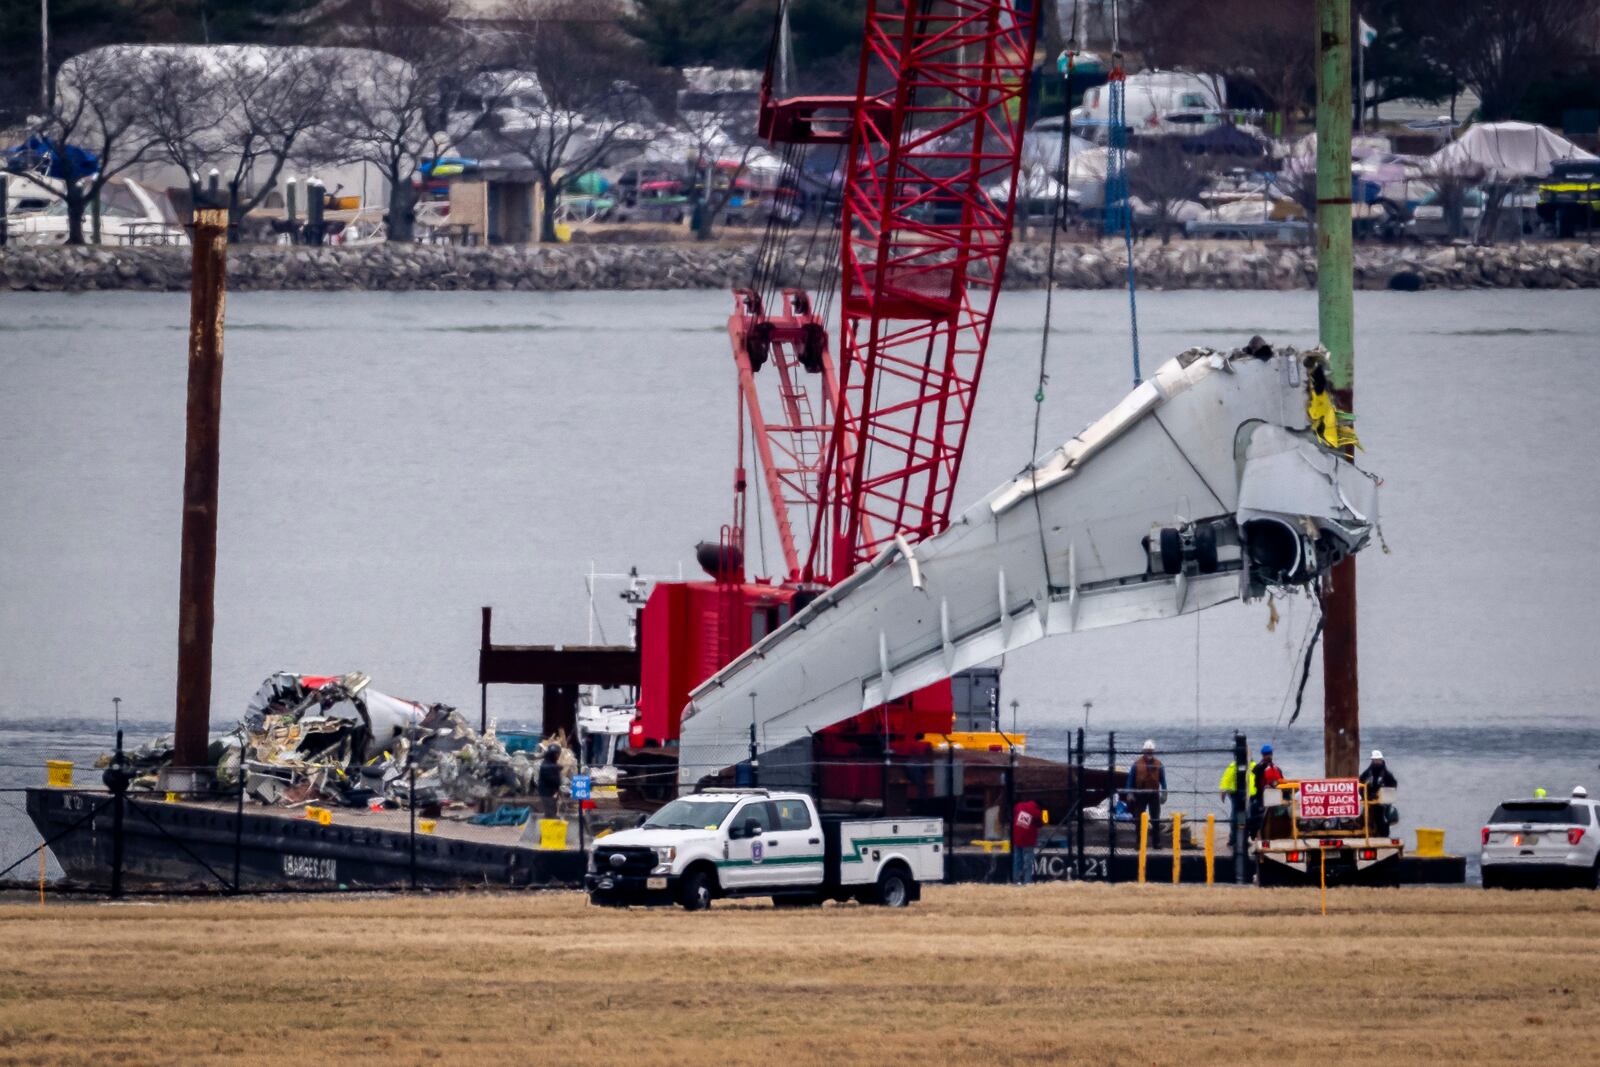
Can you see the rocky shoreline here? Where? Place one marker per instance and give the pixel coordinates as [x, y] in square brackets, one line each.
[1180, 265]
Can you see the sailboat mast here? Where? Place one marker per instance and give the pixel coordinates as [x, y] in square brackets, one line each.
[1341, 715]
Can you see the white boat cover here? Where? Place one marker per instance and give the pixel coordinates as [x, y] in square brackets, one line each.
[1504, 150]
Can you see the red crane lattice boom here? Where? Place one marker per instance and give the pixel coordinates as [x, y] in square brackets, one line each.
[864, 445]
[935, 134]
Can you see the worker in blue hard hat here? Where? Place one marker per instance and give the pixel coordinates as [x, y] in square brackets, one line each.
[1264, 775]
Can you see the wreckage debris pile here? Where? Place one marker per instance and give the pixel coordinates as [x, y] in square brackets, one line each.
[335, 740]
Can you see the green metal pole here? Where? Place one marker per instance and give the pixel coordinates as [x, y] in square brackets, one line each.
[1341, 740]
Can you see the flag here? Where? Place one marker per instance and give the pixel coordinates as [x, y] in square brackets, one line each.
[1368, 34]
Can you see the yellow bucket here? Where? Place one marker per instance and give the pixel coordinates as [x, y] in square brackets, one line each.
[58, 773]
[1430, 842]
[552, 833]
[427, 825]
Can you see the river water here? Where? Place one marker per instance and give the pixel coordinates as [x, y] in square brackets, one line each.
[392, 461]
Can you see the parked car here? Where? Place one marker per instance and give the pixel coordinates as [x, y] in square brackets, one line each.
[1542, 840]
[1569, 200]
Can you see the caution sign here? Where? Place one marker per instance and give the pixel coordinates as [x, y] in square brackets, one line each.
[1329, 798]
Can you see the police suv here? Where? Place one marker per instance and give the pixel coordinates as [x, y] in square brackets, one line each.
[752, 842]
[1548, 840]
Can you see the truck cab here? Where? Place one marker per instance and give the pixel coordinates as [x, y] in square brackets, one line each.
[721, 843]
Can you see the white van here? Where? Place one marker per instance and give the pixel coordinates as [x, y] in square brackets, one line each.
[1155, 102]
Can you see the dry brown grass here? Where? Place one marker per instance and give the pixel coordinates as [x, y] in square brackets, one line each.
[1056, 973]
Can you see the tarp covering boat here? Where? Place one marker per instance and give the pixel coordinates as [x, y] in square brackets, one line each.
[1504, 150]
[60, 161]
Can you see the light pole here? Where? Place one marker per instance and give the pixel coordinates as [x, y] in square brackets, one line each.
[44, 57]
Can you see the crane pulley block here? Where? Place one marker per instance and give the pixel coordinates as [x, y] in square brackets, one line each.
[817, 119]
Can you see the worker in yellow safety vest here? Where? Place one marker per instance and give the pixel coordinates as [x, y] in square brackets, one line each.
[1230, 780]
[1226, 786]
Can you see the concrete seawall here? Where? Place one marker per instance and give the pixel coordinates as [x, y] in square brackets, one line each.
[1181, 265]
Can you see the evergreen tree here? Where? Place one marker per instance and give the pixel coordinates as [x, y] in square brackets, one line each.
[738, 33]
[75, 25]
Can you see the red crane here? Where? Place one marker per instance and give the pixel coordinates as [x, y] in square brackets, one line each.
[857, 453]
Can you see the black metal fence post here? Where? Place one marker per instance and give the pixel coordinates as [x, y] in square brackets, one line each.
[1241, 793]
[1011, 809]
[1111, 806]
[238, 821]
[117, 802]
[755, 757]
[1078, 787]
[116, 779]
[883, 779]
[952, 804]
[413, 806]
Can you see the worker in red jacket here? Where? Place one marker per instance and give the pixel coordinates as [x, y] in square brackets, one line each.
[1265, 774]
[1025, 820]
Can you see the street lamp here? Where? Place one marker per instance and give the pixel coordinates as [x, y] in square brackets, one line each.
[44, 57]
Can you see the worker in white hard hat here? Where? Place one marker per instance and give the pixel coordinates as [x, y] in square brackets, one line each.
[1146, 788]
[1376, 778]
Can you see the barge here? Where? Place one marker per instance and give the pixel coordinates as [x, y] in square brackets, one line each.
[224, 846]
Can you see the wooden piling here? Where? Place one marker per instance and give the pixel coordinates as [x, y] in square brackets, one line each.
[1341, 715]
[198, 573]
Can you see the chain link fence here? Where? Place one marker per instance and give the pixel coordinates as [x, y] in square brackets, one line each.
[98, 837]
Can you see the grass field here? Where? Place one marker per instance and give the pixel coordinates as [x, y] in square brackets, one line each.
[974, 974]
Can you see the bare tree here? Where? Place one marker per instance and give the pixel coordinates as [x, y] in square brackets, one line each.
[244, 110]
[1272, 44]
[586, 100]
[722, 133]
[1164, 176]
[91, 131]
[1452, 189]
[1299, 184]
[389, 103]
[1500, 49]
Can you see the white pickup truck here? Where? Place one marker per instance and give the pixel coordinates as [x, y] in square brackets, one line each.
[752, 842]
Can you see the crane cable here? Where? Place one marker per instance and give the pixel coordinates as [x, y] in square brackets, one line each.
[767, 277]
[1057, 221]
[1119, 168]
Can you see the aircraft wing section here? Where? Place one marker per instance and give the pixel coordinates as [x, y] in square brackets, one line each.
[1205, 484]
